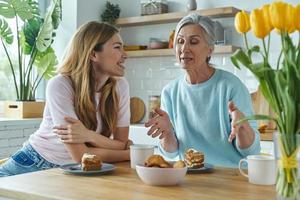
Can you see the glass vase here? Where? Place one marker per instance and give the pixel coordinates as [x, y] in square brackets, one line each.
[287, 154]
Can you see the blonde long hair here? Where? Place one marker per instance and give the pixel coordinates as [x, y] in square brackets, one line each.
[77, 67]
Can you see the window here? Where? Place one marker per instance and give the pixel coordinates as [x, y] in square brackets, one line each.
[7, 87]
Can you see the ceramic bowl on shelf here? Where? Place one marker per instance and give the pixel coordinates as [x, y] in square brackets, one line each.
[158, 44]
[161, 176]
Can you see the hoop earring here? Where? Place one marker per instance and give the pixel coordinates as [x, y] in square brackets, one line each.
[208, 59]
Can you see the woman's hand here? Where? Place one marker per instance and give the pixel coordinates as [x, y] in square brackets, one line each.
[74, 132]
[236, 115]
[128, 144]
[236, 129]
[160, 125]
[243, 132]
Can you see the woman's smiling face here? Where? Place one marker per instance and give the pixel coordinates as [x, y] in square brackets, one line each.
[110, 60]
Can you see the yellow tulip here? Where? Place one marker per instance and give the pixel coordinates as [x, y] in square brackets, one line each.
[258, 24]
[290, 26]
[297, 17]
[266, 14]
[241, 22]
[277, 13]
[292, 29]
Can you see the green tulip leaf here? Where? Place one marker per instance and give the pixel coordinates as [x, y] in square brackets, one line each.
[259, 69]
[255, 117]
[235, 62]
[240, 57]
[13, 8]
[5, 32]
[255, 48]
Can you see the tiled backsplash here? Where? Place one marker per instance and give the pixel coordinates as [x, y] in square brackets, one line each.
[14, 132]
[147, 76]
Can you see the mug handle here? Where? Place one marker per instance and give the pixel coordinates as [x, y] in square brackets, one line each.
[240, 167]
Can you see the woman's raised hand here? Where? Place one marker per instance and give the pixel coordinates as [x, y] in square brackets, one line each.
[74, 132]
[160, 125]
[236, 115]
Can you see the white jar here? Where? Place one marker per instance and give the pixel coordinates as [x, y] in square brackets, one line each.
[191, 5]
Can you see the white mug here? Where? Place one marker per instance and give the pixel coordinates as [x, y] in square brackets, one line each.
[139, 153]
[261, 169]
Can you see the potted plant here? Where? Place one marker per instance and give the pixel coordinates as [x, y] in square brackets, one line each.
[35, 58]
[279, 84]
[111, 13]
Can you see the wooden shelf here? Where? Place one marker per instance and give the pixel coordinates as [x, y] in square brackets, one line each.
[175, 16]
[219, 49]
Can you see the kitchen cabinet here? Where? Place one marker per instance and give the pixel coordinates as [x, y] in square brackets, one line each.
[223, 12]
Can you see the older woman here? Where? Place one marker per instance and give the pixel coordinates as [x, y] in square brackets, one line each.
[200, 108]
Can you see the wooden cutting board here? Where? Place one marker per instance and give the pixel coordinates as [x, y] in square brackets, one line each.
[137, 109]
[261, 106]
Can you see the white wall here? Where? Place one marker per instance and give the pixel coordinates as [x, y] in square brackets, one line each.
[89, 10]
[75, 13]
[66, 28]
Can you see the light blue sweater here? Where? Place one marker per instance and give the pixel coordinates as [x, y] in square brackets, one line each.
[200, 117]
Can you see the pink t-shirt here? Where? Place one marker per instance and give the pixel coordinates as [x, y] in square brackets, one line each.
[60, 103]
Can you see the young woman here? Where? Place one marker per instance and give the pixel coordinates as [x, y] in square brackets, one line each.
[87, 106]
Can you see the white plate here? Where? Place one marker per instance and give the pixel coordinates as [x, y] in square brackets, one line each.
[76, 169]
[206, 169]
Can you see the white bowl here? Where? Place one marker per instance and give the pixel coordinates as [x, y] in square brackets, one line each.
[161, 176]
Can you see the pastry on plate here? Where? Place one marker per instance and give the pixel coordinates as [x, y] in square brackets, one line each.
[194, 158]
[90, 162]
[179, 164]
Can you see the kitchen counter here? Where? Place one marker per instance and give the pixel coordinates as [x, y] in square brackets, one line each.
[123, 183]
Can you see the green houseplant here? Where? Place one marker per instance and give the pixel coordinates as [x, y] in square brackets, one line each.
[34, 36]
[279, 84]
[111, 13]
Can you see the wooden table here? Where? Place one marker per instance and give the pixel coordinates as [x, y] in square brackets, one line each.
[124, 184]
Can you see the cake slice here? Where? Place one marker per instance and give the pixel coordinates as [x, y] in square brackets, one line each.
[90, 162]
[194, 159]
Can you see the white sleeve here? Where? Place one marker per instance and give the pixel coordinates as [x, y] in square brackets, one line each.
[124, 103]
[60, 99]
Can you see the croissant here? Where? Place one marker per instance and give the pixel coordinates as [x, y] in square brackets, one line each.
[157, 161]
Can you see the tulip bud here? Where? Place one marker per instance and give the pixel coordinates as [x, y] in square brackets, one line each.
[266, 15]
[282, 15]
[297, 17]
[258, 24]
[241, 22]
[278, 12]
[290, 26]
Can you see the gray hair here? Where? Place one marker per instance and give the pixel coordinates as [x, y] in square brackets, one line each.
[206, 23]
